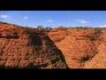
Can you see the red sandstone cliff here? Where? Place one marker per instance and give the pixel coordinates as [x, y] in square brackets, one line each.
[83, 47]
[27, 48]
[58, 48]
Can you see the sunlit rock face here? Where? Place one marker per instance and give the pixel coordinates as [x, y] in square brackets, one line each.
[28, 48]
[81, 47]
[78, 48]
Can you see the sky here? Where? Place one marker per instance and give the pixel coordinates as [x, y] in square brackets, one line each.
[55, 18]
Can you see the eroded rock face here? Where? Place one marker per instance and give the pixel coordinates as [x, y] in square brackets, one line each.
[30, 48]
[25, 48]
[82, 48]
[99, 60]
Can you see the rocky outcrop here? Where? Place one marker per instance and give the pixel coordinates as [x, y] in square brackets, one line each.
[78, 48]
[27, 48]
[82, 48]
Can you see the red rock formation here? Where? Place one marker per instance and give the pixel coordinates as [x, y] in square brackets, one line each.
[25, 48]
[81, 46]
[31, 48]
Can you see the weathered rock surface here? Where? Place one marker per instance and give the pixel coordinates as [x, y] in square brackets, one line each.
[82, 48]
[27, 48]
[58, 48]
